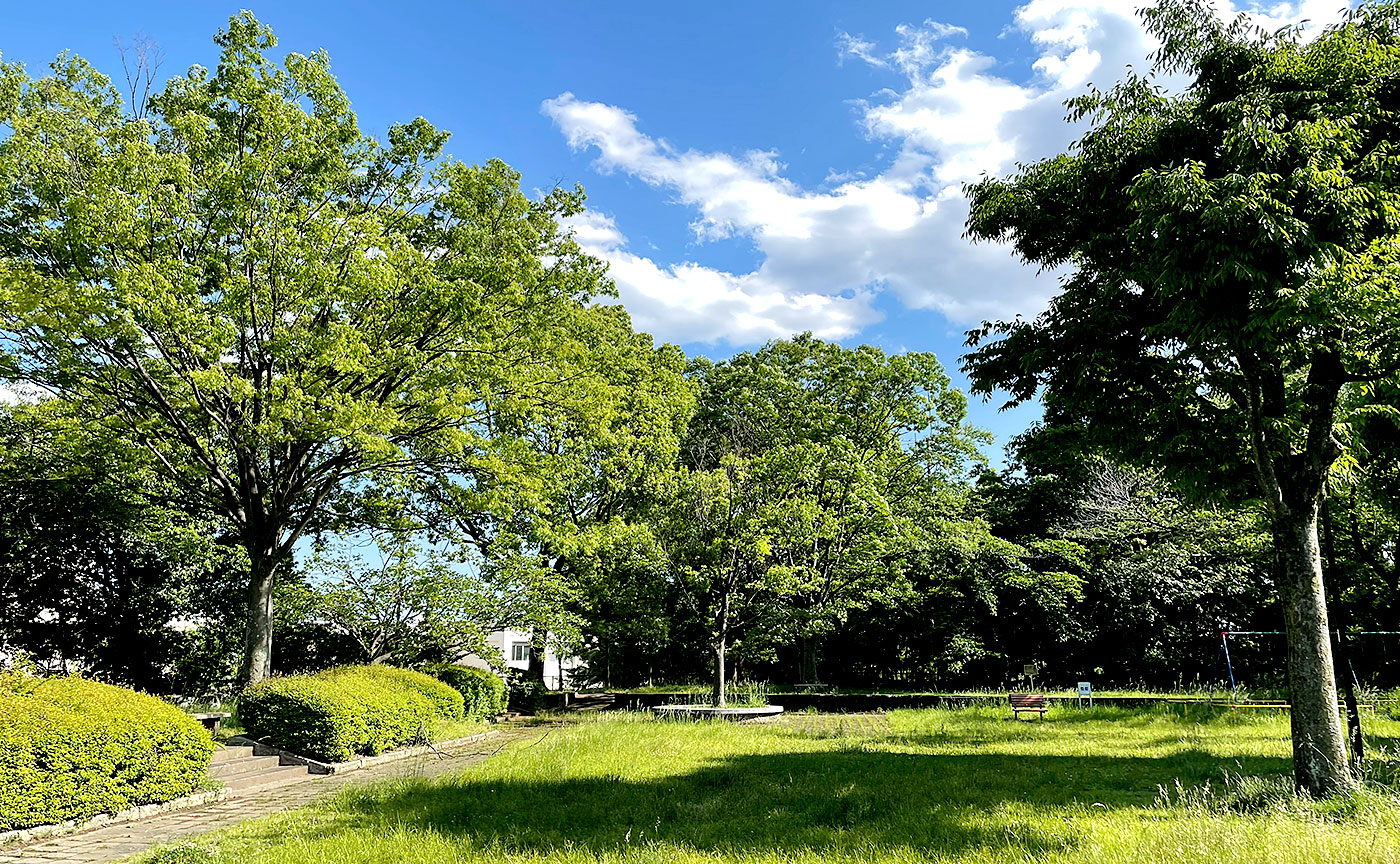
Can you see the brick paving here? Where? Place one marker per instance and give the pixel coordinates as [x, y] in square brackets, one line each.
[836, 725]
[118, 841]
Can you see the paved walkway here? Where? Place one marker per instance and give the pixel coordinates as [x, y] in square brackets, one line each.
[835, 725]
[116, 841]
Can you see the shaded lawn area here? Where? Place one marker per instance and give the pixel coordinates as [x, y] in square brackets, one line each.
[967, 785]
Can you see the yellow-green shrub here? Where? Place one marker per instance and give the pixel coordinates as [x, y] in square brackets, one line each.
[339, 713]
[483, 692]
[72, 748]
[450, 703]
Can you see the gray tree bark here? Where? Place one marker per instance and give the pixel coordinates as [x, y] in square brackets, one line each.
[257, 639]
[721, 643]
[807, 664]
[719, 674]
[1292, 481]
[1320, 764]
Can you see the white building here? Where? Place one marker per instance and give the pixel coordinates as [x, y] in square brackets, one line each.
[514, 648]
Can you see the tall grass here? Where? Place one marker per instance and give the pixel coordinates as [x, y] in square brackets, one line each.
[1217, 692]
[742, 694]
[1151, 785]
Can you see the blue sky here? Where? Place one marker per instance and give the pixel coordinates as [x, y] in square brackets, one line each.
[753, 169]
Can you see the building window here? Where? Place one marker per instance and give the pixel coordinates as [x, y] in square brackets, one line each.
[520, 651]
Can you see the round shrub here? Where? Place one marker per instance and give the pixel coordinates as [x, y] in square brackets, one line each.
[339, 713]
[72, 748]
[449, 701]
[482, 690]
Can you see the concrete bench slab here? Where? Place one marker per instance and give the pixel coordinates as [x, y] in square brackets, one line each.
[761, 714]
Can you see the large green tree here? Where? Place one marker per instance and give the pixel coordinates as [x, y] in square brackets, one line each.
[567, 531]
[716, 531]
[276, 306]
[1230, 264]
[809, 475]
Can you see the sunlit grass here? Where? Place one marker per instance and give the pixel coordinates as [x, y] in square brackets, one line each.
[969, 785]
[448, 730]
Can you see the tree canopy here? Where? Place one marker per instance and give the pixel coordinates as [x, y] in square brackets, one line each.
[96, 574]
[804, 487]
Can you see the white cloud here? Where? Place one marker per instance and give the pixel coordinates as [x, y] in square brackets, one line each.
[692, 303]
[21, 393]
[826, 252]
[859, 48]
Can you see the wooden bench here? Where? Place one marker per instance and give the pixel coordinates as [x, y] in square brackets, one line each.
[1031, 703]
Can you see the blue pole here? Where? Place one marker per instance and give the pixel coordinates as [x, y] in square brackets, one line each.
[1226, 644]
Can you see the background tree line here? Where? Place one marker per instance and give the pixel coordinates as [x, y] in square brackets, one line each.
[835, 495]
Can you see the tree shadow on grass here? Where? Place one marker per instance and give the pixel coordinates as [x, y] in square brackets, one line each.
[846, 803]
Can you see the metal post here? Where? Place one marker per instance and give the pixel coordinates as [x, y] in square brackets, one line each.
[1225, 643]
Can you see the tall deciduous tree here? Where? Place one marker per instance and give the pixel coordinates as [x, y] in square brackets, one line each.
[718, 543]
[1232, 256]
[809, 472]
[870, 448]
[569, 526]
[275, 305]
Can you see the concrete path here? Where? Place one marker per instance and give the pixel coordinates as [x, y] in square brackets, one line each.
[117, 841]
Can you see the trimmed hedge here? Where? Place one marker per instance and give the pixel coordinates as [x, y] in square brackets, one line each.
[347, 711]
[482, 690]
[72, 748]
[449, 702]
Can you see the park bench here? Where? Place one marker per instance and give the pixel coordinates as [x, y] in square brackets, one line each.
[211, 720]
[1031, 703]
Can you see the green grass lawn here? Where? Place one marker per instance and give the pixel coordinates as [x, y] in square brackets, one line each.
[966, 785]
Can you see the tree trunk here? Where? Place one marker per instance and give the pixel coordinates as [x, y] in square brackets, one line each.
[257, 640]
[1319, 748]
[807, 664]
[539, 638]
[1332, 576]
[721, 642]
[719, 673]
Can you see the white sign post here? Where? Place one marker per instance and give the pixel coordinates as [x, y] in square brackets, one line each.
[1086, 692]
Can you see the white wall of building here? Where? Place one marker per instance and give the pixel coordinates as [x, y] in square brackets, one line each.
[513, 646]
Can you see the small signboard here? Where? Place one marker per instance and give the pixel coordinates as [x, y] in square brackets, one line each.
[1031, 670]
[1086, 692]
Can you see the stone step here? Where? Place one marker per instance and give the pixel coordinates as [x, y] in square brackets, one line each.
[237, 767]
[229, 752]
[267, 779]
